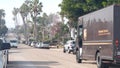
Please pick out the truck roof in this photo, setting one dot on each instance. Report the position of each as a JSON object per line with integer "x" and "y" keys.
{"x": 100, "y": 10}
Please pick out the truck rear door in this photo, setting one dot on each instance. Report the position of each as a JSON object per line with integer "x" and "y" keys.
{"x": 116, "y": 40}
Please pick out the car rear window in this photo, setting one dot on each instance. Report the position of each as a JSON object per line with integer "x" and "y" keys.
{"x": 13, "y": 41}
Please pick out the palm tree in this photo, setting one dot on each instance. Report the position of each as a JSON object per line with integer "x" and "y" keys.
{"x": 15, "y": 12}
{"x": 2, "y": 13}
{"x": 35, "y": 10}
{"x": 24, "y": 10}
{"x": 3, "y": 28}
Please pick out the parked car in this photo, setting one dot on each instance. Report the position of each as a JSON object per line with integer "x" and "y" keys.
{"x": 45, "y": 45}
{"x": 29, "y": 43}
{"x": 14, "y": 43}
{"x": 38, "y": 44}
{"x": 33, "y": 44}
{"x": 4, "y": 53}
{"x": 68, "y": 47}
{"x": 74, "y": 49}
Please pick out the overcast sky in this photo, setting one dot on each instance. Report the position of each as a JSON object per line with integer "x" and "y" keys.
{"x": 49, "y": 6}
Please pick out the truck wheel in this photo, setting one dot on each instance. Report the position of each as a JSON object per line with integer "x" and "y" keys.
{"x": 100, "y": 64}
{"x": 78, "y": 57}
{"x": 69, "y": 51}
{"x": 74, "y": 52}
{"x": 64, "y": 50}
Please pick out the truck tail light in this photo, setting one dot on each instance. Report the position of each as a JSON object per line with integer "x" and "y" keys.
{"x": 117, "y": 42}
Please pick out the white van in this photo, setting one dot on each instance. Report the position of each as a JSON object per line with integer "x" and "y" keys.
{"x": 14, "y": 43}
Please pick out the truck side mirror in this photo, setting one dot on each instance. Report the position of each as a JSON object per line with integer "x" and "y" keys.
{"x": 5, "y": 46}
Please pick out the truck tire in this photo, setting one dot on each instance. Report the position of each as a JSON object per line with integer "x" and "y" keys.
{"x": 69, "y": 51}
{"x": 74, "y": 52}
{"x": 100, "y": 63}
{"x": 78, "y": 57}
{"x": 64, "y": 50}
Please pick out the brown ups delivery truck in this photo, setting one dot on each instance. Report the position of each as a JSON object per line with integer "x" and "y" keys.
{"x": 98, "y": 37}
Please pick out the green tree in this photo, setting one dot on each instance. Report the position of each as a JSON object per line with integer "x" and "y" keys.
{"x": 64, "y": 30}
{"x": 43, "y": 23}
{"x": 35, "y": 8}
{"x": 2, "y": 13}
{"x": 72, "y": 9}
{"x": 24, "y": 10}
{"x": 15, "y": 12}
{"x": 3, "y": 28}
{"x": 43, "y": 20}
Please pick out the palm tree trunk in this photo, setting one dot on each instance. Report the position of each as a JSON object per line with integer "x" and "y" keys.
{"x": 25, "y": 29}
{"x": 35, "y": 31}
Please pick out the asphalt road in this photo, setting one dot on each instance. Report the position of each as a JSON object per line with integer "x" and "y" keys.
{"x": 28, "y": 57}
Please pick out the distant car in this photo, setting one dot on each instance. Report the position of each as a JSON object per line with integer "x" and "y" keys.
{"x": 29, "y": 43}
{"x": 45, "y": 45}
{"x": 69, "y": 46}
{"x": 33, "y": 44}
{"x": 38, "y": 44}
{"x": 14, "y": 43}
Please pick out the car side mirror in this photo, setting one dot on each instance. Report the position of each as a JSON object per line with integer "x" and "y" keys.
{"x": 5, "y": 46}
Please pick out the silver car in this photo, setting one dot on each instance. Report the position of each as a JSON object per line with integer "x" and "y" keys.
{"x": 68, "y": 47}
{"x": 33, "y": 44}
{"x": 38, "y": 44}
{"x": 45, "y": 45}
